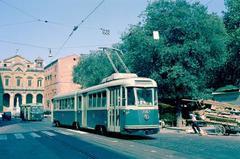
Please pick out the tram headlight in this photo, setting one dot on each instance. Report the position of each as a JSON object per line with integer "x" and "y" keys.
{"x": 146, "y": 116}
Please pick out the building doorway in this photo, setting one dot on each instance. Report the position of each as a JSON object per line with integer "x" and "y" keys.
{"x": 6, "y": 100}
{"x": 17, "y": 100}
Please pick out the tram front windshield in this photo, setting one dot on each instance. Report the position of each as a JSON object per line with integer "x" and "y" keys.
{"x": 37, "y": 110}
{"x": 144, "y": 96}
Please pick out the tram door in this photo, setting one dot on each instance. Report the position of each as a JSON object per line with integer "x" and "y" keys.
{"x": 113, "y": 112}
{"x": 84, "y": 110}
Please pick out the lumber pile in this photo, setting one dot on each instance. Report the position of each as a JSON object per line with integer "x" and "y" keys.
{"x": 220, "y": 113}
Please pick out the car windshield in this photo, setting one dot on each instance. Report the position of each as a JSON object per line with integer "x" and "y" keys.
{"x": 144, "y": 96}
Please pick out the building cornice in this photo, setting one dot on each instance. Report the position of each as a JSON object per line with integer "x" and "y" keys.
{"x": 34, "y": 70}
{"x": 24, "y": 90}
{"x": 5, "y": 69}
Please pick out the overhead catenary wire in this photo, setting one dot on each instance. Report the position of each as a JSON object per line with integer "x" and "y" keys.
{"x": 77, "y": 26}
{"x": 20, "y": 10}
{"x": 23, "y": 44}
{"x": 34, "y": 18}
{"x": 18, "y": 23}
{"x": 47, "y": 47}
{"x": 31, "y": 15}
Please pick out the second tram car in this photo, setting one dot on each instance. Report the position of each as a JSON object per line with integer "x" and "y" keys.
{"x": 31, "y": 112}
{"x": 123, "y": 103}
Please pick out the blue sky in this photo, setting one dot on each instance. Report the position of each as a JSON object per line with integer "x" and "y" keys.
{"x": 20, "y": 29}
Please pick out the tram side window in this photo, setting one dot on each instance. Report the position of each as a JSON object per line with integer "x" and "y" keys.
{"x": 99, "y": 100}
{"x": 67, "y": 104}
{"x": 90, "y": 100}
{"x": 72, "y": 103}
{"x": 64, "y": 103}
{"x": 123, "y": 97}
{"x": 104, "y": 99}
{"x": 61, "y": 104}
{"x": 118, "y": 96}
{"x": 58, "y": 104}
{"x": 130, "y": 95}
{"x": 79, "y": 102}
{"x": 155, "y": 97}
{"x": 94, "y": 100}
{"x": 55, "y": 104}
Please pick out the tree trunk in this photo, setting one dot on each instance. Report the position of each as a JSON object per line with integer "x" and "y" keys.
{"x": 179, "y": 115}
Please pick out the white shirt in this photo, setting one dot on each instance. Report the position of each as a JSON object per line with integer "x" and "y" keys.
{"x": 193, "y": 117}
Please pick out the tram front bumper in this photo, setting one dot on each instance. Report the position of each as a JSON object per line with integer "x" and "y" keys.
{"x": 141, "y": 129}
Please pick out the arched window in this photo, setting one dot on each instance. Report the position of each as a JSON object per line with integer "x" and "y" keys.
{"x": 29, "y": 98}
{"x": 39, "y": 98}
{"x": 6, "y": 100}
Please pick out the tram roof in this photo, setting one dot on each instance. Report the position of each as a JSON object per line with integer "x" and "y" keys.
{"x": 128, "y": 82}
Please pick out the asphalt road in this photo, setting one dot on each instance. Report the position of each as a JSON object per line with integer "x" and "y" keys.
{"x": 38, "y": 140}
{"x": 41, "y": 140}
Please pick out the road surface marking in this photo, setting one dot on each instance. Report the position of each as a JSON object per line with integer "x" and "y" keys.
{"x": 63, "y": 132}
{"x": 3, "y": 137}
{"x": 48, "y": 133}
{"x": 77, "y": 131}
{"x": 34, "y": 135}
{"x": 19, "y": 136}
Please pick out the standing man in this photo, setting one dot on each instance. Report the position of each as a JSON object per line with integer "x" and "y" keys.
{"x": 195, "y": 126}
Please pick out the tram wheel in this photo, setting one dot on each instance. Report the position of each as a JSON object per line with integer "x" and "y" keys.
{"x": 57, "y": 124}
{"x": 101, "y": 130}
{"x": 76, "y": 125}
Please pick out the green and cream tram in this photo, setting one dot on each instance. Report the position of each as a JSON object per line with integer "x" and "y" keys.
{"x": 122, "y": 103}
{"x": 31, "y": 111}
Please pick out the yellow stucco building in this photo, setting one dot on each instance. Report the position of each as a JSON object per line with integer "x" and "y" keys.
{"x": 21, "y": 82}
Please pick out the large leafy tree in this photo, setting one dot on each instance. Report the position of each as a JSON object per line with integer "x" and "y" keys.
{"x": 230, "y": 73}
{"x": 94, "y": 67}
{"x": 191, "y": 47}
{"x": 91, "y": 69}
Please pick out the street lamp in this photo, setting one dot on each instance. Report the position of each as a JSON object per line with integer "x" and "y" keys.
{"x": 155, "y": 35}
{"x": 50, "y": 53}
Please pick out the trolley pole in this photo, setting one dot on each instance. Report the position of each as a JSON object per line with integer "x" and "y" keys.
{"x": 106, "y": 50}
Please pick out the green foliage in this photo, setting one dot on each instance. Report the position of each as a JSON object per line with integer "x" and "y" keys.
{"x": 168, "y": 117}
{"x": 92, "y": 69}
{"x": 191, "y": 47}
{"x": 230, "y": 73}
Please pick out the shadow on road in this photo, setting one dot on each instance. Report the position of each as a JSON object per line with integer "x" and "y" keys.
{"x": 9, "y": 122}
{"x": 114, "y": 135}
{"x": 129, "y": 137}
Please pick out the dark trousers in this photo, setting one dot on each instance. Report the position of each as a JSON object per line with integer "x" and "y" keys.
{"x": 195, "y": 127}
